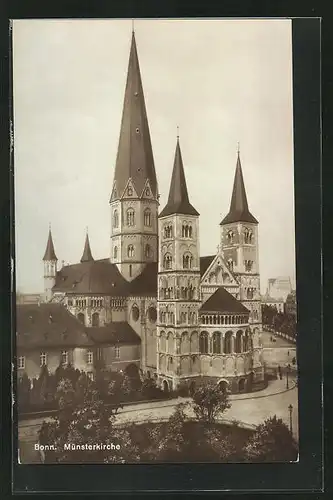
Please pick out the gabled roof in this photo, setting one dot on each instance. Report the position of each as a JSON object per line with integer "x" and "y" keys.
{"x": 223, "y": 302}
{"x": 146, "y": 283}
{"x": 114, "y": 333}
{"x": 178, "y": 201}
{"x": 48, "y": 325}
{"x": 205, "y": 262}
{"x": 87, "y": 255}
{"x": 96, "y": 276}
{"x": 49, "y": 252}
{"x": 135, "y": 156}
{"x": 239, "y": 210}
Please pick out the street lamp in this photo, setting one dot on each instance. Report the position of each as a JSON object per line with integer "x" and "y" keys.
{"x": 290, "y": 408}
{"x": 288, "y": 370}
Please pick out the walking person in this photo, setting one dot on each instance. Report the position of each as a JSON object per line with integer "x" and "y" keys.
{"x": 280, "y": 372}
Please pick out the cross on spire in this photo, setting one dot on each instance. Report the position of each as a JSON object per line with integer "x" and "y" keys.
{"x": 238, "y": 148}
{"x": 177, "y": 132}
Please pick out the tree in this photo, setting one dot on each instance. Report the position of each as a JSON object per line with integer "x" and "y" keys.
{"x": 174, "y": 440}
{"x": 271, "y": 442}
{"x": 82, "y": 431}
{"x": 209, "y": 402}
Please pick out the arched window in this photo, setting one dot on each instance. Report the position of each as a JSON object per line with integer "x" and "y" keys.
{"x": 187, "y": 261}
{"x": 148, "y": 251}
{"x": 230, "y": 264}
{"x": 190, "y": 232}
{"x": 115, "y": 252}
{"x": 43, "y": 358}
{"x": 64, "y": 357}
{"x": 238, "y": 343}
{"x": 248, "y": 265}
{"x": 168, "y": 231}
{"x": 95, "y": 319}
{"x": 228, "y": 343}
{"x": 152, "y": 314}
{"x": 130, "y": 251}
{"x": 217, "y": 343}
{"x": 130, "y": 217}
{"x": 129, "y": 191}
{"x": 115, "y": 218}
{"x": 80, "y": 317}
{"x": 203, "y": 343}
{"x": 230, "y": 236}
{"x": 248, "y": 235}
{"x": 147, "y": 217}
{"x": 135, "y": 313}
{"x": 167, "y": 261}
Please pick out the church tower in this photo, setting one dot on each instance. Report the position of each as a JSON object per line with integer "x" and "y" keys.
{"x": 239, "y": 242}
{"x": 50, "y": 268}
{"x": 178, "y": 281}
{"x": 134, "y": 198}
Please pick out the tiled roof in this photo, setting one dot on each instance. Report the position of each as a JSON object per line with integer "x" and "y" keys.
{"x": 239, "y": 210}
{"x": 178, "y": 201}
{"x": 48, "y": 325}
{"x": 146, "y": 283}
{"x": 99, "y": 276}
{"x": 223, "y": 301}
{"x": 205, "y": 262}
{"x": 114, "y": 333}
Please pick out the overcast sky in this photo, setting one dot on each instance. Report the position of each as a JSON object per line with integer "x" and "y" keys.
{"x": 221, "y": 81}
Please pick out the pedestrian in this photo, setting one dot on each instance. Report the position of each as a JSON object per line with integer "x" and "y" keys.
{"x": 280, "y": 372}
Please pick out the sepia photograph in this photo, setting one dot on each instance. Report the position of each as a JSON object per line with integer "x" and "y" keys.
{"x": 156, "y": 306}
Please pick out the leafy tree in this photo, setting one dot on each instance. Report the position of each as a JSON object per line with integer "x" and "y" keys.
{"x": 83, "y": 425}
{"x": 271, "y": 442}
{"x": 175, "y": 439}
{"x": 209, "y": 402}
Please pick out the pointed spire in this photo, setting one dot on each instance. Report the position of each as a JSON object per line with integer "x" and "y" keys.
{"x": 239, "y": 210}
{"x": 178, "y": 201}
{"x": 49, "y": 252}
{"x": 87, "y": 255}
{"x": 135, "y": 159}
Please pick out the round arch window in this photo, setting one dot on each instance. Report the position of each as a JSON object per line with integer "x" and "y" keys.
{"x": 152, "y": 314}
{"x": 135, "y": 313}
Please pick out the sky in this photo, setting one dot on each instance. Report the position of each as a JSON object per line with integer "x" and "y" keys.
{"x": 221, "y": 81}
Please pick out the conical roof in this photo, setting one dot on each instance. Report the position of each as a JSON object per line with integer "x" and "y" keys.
{"x": 87, "y": 255}
{"x": 49, "y": 252}
{"x": 178, "y": 201}
{"x": 239, "y": 210}
{"x": 135, "y": 159}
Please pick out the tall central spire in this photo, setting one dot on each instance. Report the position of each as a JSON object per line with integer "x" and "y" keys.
{"x": 239, "y": 210}
{"x": 178, "y": 201}
{"x": 135, "y": 159}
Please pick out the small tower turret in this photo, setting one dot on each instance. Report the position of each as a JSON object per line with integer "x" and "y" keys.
{"x": 50, "y": 268}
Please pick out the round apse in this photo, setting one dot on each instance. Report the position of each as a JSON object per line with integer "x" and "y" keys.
{"x": 135, "y": 313}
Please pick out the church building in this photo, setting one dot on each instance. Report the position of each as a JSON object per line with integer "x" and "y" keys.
{"x": 155, "y": 302}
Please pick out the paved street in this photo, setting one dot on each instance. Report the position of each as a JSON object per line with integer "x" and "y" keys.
{"x": 279, "y": 341}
